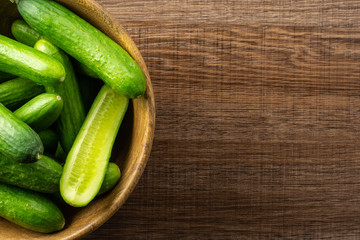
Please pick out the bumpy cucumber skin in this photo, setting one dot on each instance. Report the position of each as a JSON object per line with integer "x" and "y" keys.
{"x": 5, "y": 76}
{"x": 23, "y": 61}
{"x": 28, "y": 36}
{"x": 18, "y": 141}
{"x": 23, "y": 33}
{"x": 41, "y": 176}
{"x": 112, "y": 176}
{"x": 50, "y": 140}
{"x": 16, "y": 92}
{"x": 41, "y": 111}
{"x": 86, "y": 44}
{"x": 29, "y": 209}
{"x": 99, "y": 129}
{"x": 73, "y": 113}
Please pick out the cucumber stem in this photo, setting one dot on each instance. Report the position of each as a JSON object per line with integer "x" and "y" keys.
{"x": 15, "y": 1}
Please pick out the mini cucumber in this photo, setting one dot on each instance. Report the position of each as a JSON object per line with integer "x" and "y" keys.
{"x": 41, "y": 111}
{"x": 23, "y": 33}
{"x": 16, "y": 92}
{"x": 112, "y": 176}
{"x": 86, "y": 163}
{"x": 50, "y": 140}
{"x": 73, "y": 113}
{"x": 18, "y": 141}
{"x": 41, "y": 176}
{"x": 86, "y": 44}
{"x": 28, "y": 36}
{"x": 21, "y": 60}
{"x": 5, "y": 76}
{"x": 29, "y": 209}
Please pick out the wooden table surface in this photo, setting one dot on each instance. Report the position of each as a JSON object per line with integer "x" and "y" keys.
{"x": 258, "y": 120}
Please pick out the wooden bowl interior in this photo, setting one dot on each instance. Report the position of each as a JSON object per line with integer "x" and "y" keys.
{"x": 133, "y": 143}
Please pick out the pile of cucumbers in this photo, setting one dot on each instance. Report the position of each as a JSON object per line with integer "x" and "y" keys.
{"x": 54, "y": 143}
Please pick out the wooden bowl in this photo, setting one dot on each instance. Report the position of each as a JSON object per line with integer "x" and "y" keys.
{"x": 133, "y": 144}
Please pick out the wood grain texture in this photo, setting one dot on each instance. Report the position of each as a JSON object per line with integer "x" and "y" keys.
{"x": 279, "y": 12}
{"x": 258, "y": 121}
{"x": 258, "y": 118}
{"x": 131, "y": 148}
{"x": 258, "y": 124}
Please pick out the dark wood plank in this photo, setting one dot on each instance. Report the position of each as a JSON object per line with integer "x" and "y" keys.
{"x": 258, "y": 121}
{"x": 279, "y": 12}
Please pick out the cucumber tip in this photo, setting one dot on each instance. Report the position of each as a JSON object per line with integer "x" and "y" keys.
{"x": 58, "y": 97}
{"x": 62, "y": 79}
{"x": 62, "y": 226}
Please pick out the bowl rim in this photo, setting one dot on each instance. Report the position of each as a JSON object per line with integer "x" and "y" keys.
{"x": 147, "y": 100}
{"x": 116, "y": 32}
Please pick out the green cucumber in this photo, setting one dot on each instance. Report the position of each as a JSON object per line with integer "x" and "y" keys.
{"x": 5, "y": 76}
{"x": 23, "y": 33}
{"x": 86, "y": 44}
{"x": 29, "y": 209}
{"x": 28, "y": 36}
{"x": 50, "y": 140}
{"x": 111, "y": 178}
{"x": 86, "y": 163}
{"x": 73, "y": 113}
{"x": 16, "y": 92}
{"x": 41, "y": 176}
{"x": 41, "y": 111}
{"x": 18, "y": 141}
{"x": 21, "y": 60}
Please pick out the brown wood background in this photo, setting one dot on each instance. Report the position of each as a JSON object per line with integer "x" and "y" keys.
{"x": 258, "y": 120}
